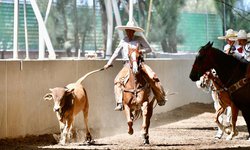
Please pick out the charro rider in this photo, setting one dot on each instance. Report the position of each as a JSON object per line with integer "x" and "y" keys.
{"x": 132, "y": 41}
{"x": 243, "y": 40}
{"x": 231, "y": 46}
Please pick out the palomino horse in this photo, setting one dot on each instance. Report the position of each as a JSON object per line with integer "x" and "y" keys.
{"x": 136, "y": 92}
{"x": 231, "y": 72}
{"x": 222, "y": 100}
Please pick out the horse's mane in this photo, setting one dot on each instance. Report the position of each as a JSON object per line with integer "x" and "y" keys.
{"x": 230, "y": 62}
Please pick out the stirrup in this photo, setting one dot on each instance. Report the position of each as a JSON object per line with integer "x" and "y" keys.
{"x": 119, "y": 107}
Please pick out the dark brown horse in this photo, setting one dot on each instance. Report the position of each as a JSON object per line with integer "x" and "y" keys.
{"x": 231, "y": 72}
{"x": 136, "y": 92}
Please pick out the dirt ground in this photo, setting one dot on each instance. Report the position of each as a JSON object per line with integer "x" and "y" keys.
{"x": 188, "y": 127}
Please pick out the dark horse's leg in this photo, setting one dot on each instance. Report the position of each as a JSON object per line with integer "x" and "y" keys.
{"x": 147, "y": 111}
{"x": 246, "y": 115}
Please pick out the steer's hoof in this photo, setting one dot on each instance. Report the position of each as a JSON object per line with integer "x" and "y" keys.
{"x": 62, "y": 143}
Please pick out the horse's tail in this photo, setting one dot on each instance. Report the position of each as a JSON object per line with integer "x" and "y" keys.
{"x": 79, "y": 81}
{"x": 137, "y": 114}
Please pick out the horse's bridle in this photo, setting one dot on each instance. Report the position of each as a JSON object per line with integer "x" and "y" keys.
{"x": 135, "y": 90}
{"x": 137, "y": 51}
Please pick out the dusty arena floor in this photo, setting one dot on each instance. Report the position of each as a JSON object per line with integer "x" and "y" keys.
{"x": 187, "y": 127}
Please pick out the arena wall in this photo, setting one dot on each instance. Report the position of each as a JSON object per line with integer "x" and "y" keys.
{"x": 24, "y": 83}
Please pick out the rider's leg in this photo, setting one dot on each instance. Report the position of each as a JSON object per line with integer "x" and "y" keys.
{"x": 155, "y": 84}
{"x": 118, "y": 97}
{"x": 118, "y": 85}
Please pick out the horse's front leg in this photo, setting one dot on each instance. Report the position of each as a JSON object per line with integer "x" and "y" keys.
{"x": 218, "y": 114}
{"x": 217, "y": 106}
{"x": 129, "y": 120}
{"x": 234, "y": 132}
{"x": 147, "y": 111}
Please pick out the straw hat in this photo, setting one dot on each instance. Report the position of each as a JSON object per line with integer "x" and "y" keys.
{"x": 230, "y": 34}
{"x": 130, "y": 25}
{"x": 242, "y": 35}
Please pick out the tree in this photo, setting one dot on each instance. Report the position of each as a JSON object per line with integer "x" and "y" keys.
{"x": 164, "y": 23}
{"x": 224, "y": 9}
{"x": 104, "y": 22}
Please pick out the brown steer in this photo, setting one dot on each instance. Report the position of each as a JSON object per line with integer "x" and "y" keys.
{"x": 68, "y": 102}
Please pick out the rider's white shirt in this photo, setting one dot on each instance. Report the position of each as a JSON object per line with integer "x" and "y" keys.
{"x": 235, "y": 52}
{"x": 123, "y": 47}
{"x": 246, "y": 52}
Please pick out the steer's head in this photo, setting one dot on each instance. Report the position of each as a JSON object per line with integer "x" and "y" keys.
{"x": 59, "y": 95}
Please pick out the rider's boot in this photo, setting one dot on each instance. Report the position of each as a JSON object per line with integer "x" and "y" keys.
{"x": 159, "y": 93}
{"x": 118, "y": 98}
{"x": 119, "y": 107}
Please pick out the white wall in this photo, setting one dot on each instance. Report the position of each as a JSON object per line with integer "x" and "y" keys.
{"x": 23, "y": 85}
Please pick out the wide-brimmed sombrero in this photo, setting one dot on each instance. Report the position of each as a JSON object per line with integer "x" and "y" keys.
{"x": 130, "y": 25}
{"x": 230, "y": 34}
{"x": 242, "y": 35}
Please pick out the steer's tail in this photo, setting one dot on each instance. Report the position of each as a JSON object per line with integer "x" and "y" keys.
{"x": 79, "y": 81}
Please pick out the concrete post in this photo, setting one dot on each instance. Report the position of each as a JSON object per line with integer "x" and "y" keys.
{"x": 43, "y": 31}
{"x": 130, "y": 10}
{"x": 110, "y": 28}
{"x": 117, "y": 18}
{"x": 25, "y": 30}
{"x": 15, "y": 36}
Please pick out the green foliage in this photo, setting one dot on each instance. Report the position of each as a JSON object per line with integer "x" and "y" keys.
{"x": 235, "y": 13}
{"x": 164, "y": 23}
{"x": 62, "y": 22}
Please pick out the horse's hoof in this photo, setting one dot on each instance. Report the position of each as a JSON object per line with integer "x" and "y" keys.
{"x": 236, "y": 133}
{"x": 90, "y": 142}
{"x": 218, "y": 135}
{"x": 145, "y": 139}
{"x": 228, "y": 131}
{"x": 146, "y": 142}
{"x": 130, "y": 131}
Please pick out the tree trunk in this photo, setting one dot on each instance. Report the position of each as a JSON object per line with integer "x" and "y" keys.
{"x": 164, "y": 45}
{"x": 76, "y": 36}
{"x": 172, "y": 41}
{"x": 65, "y": 30}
